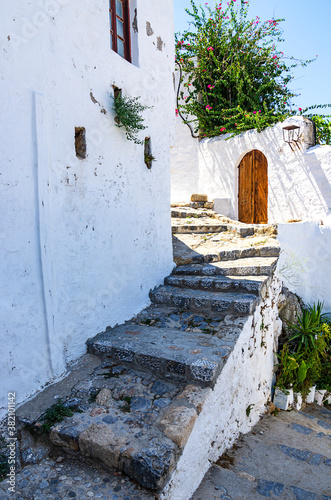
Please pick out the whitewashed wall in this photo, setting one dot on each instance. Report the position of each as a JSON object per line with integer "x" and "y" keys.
{"x": 82, "y": 241}
{"x": 245, "y": 382}
{"x": 299, "y": 181}
{"x": 305, "y": 260}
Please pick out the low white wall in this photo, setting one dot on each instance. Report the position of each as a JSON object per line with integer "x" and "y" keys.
{"x": 305, "y": 261}
{"x": 245, "y": 381}
{"x": 299, "y": 181}
{"x": 82, "y": 241}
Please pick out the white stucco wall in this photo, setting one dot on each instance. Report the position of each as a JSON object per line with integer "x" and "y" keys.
{"x": 305, "y": 260}
{"x": 245, "y": 381}
{"x": 299, "y": 181}
{"x": 82, "y": 241}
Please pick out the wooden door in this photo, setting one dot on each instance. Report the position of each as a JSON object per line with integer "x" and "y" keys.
{"x": 253, "y": 188}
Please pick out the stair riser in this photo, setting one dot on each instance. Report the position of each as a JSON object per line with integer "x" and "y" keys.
{"x": 230, "y": 271}
{"x": 162, "y": 367}
{"x": 197, "y": 229}
{"x": 211, "y": 285}
{"x": 197, "y": 304}
{"x": 184, "y": 215}
{"x": 236, "y": 254}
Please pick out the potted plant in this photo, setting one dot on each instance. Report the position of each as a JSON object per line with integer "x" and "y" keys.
{"x": 324, "y": 380}
{"x": 303, "y": 358}
{"x": 287, "y": 368}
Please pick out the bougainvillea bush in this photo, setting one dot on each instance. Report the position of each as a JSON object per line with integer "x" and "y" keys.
{"x": 236, "y": 79}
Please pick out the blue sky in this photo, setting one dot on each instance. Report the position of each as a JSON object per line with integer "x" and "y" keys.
{"x": 306, "y": 28}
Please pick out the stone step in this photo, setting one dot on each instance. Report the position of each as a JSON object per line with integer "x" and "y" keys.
{"x": 252, "y": 266}
{"x": 171, "y": 353}
{"x": 183, "y": 213}
{"x": 152, "y": 395}
{"x": 206, "y": 225}
{"x": 200, "y": 300}
{"x": 199, "y": 257}
{"x": 121, "y": 417}
{"x": 251, "y": 285}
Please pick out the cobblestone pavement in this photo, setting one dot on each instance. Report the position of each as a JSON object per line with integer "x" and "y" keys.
{"x": 287, "y": 457}
{"x": 69, "y": 478}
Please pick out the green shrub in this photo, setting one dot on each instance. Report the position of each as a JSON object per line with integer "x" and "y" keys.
{"x": 128, "y": 115}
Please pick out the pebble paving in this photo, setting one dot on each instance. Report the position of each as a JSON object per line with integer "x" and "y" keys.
{"x": 66, "y": 478}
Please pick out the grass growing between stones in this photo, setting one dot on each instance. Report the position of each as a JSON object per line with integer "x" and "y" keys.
{"x": 55, "y": 414}
{"x": 127, "y": 404}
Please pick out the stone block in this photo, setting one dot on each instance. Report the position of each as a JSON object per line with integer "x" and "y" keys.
{"x": 102, "y": 442}
{"x": 195, "y": 395}
{"x": 203, "y": 370}
{"x": 33, "y": 456}
{"x": 104, "y": 398}
{"x": 176, "y": 367}
{"x": 177, "y": 424}
{"x": 160, "y": 388}
{"x": 65, "y": 436}
{"x": 123, "y": 353}
{"x": 199, "y": 197}
{"x": 197, "y": 204}
{"x": 150, "y": 466}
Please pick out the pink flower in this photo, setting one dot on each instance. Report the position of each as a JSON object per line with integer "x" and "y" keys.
{"x": 210, "y": 86}
{"x": 259, "y": 111}
{"x": 274, "y": 57}
{"x": 210, "y": 48}
{"x": 254, "y": 112}
{"x": 222, "y": 129}
{"x": 300, "y": 109}
{"x": 176, "y": 111}
{"x": 208, "y": 107}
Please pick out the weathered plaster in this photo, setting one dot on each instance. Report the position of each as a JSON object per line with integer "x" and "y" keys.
{"x": 82, "y": 240}
{"x": 305, "y": 261}
{"x": 299, "y": 180}
{"x": 244, "y": 382}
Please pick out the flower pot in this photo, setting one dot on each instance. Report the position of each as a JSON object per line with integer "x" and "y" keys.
{"x": 328, "y": 399}
{"x": 319, "y": 396}
{"x": 311, "y": 395}
{"x": 283, "y": 401}
{"x": 297, "y": 403}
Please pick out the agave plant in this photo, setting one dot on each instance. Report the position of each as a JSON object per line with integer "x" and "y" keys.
{"x": 305, "y": 331}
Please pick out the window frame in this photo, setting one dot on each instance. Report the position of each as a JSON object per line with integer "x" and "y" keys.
{"x": 113, "y": 15}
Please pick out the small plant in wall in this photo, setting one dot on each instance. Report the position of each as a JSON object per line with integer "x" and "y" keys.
{"x": 128, "y": 115}
{"x": 148, "y": 156}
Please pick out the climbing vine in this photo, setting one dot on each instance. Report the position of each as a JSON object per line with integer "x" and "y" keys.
{"x": 235, "y": 77}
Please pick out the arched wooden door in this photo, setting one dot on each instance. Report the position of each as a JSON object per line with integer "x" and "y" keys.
{"x": 253, "y": 188}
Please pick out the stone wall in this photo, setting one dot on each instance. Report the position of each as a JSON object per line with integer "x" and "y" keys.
{"x": 82, "y": 240}
{"x": 237, "y": 400}
{"x": 305, "y": 261}
{"x": 299, "y": 180}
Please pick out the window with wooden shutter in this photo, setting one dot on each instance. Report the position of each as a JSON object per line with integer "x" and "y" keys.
{"x": 120, "y": 28}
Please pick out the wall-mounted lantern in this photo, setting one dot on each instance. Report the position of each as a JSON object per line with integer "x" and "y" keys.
{"x": 291, "y": 135}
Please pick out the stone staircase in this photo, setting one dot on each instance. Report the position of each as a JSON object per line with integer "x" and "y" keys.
{"x": 163, "y": 395}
